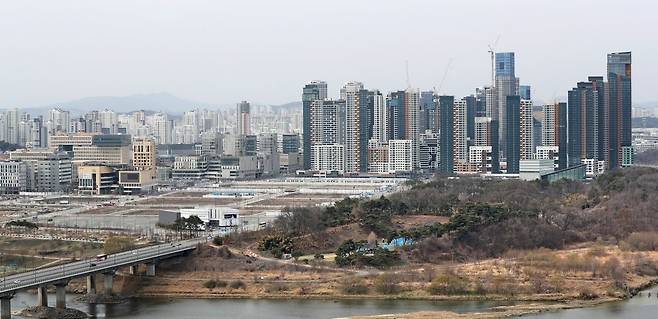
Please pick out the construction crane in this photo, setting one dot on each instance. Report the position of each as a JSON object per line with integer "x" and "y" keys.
{"x": 492, "y": 52}
{"x": 445, "y": 74}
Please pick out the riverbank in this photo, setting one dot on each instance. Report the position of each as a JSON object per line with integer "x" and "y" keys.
{"x": 579, "y": 273}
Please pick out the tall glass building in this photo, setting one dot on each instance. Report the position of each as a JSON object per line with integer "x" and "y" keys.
{"x": 446, "y": 135}
{"x": 315, "y": 90}
{"x": 513, "y": 138}
{"x": 505, "y": 86}
{"x": 583, "y": 106}
{"x": 395, "y": 107}
{"x": 620, "y": 111}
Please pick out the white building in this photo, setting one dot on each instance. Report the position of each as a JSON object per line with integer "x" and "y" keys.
{"x": 13, "y": 177}
{"x": 328, "y": 158}
{"x": 380, "y": 118}
{"x": 530, "y": 170}
{"x": 548, "y": 152}
{"x": 481, "y": 156}
{"x": 400, "y": 156}
{"x": 350, "y": 94}
{"x": 213, "y": 216}
{"x": 593, "y": 166}
{"x": 460, "y": 142}
{"x": 190, "y": 167}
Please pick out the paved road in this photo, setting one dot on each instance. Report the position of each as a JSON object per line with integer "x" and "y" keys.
{"x": 90, "y": 266}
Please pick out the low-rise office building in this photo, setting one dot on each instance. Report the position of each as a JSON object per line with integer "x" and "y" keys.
{"x": 96, "y": 179}
{"x": 13, "y": 177}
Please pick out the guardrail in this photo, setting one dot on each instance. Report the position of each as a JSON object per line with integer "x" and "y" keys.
{"x": 82, "y": 268}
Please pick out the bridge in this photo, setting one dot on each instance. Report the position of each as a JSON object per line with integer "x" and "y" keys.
{"x": 60, "y": 275}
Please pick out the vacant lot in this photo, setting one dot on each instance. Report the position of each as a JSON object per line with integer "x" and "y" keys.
{"x": 54, "y": 248}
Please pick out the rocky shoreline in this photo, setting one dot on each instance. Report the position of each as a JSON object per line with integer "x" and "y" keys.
{"x": 52, "y": 313}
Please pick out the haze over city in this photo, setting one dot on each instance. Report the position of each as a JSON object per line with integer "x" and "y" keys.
{"x": 264, "y": 51}
{"x": 472, "y": 159}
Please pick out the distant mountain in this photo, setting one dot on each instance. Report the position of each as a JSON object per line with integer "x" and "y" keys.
{"x": 164, "y": 102}
{"x": 297, "y": 105}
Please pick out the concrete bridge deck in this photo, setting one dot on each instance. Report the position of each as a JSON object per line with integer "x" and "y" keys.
{"x": 60, "y": 275}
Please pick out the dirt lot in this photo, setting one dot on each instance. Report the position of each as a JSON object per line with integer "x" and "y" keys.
{"x": 144, "y": 212}
{"x": 49, "y": 248}
{"x": 103, "y": 210}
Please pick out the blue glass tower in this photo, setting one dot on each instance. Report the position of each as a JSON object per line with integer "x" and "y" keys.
{"x": 619, "y": 126}
{"x": 505, "y": 86}
{"x": 395, "y": 108}
{"x": 446, "y": 134}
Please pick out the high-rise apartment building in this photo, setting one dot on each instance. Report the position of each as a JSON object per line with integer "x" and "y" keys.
{"x": 583, "y": 134}
{"x": 554, "y": 130}
{"x": 395, "y": 105}
{"x": 313, "y": 91}
{"x": 243, "y": 112}
{"x": 354, "y": 101}
{"x": 380, "y": 118}
{"x": 459, "y": 131}
{"x": 526, "y": 124}
{"x": 486, "y": 135}
{"x": 59, "y": 121}
{"x": 412, "y": 121}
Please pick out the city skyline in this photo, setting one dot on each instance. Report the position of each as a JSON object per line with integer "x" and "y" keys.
{"x": 204, "y": 69}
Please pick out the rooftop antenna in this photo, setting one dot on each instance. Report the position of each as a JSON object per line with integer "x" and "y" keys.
{"x": 492, "y": 51}
{"x": 406, "y": 68}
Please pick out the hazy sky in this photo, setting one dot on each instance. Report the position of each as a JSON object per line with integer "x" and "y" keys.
{"x": 221, "y": 52}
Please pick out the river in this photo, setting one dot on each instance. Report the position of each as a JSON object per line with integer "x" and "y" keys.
{"x": 638, "y": 307}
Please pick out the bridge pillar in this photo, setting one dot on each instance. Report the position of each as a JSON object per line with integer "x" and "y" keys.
{"x": 107, "y": 282}
{"x": 133, "y": 270}
{"x": 60, "y": 295}
{"x": 5, "y": 306}
{"x": 150, "y": 269}
{"x": 91, "y": 285}
{"x": 42, "y": 296}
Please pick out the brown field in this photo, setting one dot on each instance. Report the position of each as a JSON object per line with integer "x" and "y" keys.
{"x": 523, "y": 277}
{"x": 104, "y": 210}
{"x": 144, "y": 212}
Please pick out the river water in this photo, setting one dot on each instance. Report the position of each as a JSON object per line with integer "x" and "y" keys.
{"x": 638, "y": 307}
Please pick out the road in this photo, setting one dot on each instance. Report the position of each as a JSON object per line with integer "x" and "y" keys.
{"x": 81, "y": 268}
